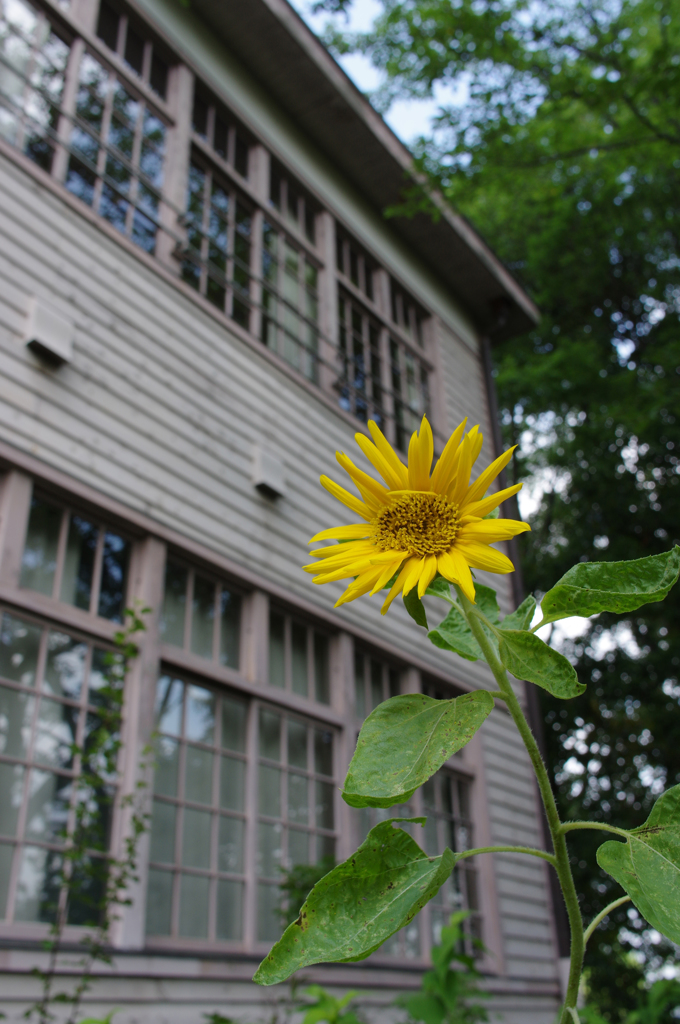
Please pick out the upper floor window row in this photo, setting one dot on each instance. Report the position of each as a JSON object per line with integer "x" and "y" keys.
{"x": 101, "y": 116}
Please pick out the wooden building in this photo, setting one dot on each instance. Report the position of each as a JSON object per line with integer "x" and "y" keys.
{"x": 200, "y": 302}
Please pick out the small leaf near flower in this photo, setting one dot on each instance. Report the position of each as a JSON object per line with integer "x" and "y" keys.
{"x": 360, "y": 903}
{"x": 527, "y": 657}
{"x": 522, "y": 617}
{"x": 415, "y": 607}
{"x": 592, "y": 587}
{"x": 405, "y": 741}
{"x": 647, "y": 865}
{"x": 454, "y": 634}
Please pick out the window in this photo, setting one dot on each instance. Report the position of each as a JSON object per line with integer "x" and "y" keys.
{"x": 208, "y": 743}
{"x": 298, "y": 657}
{"x": 290, "y": 302}
{"x": 374, "y": 682}
{"x": 201, "y": 615}
{"x": 49, "y": 704}
{"x": 212, "y": 123}
{"x": 359, "y": 384}
{"x": 354, "y": 263}
{"x": 406, "y": 313}
{"x": 446, "y": 799}
{"x": 410, "y": 392}
{"x": 290, "y": 199}
{"x": 75, "y": 559}
{"x": 117, "y": 153}
{"x": 131, "y": 44}
{"x": 33, "y": 61}
{"x": 217, "y": 258}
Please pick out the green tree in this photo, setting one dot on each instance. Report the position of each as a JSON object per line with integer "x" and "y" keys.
{"x": 566, "y": 156}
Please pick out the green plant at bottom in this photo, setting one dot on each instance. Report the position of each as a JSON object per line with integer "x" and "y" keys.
{"x": 655, "y": 1005}
{"x": 448, "y": 995}
{"x": 327, "y": 1007}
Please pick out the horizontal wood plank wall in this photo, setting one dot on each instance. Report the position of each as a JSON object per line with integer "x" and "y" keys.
{"x": 160, "y": 409}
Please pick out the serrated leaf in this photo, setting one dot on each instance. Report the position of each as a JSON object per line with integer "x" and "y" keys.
{"x": 439, "y": 588}
{"x": 454, "y": 634}
{"x": 405, "y": 741}
{"x": 360, "y": 903}
{"x": 522, "y": 617}
{"x": 593, "y": 587}
{"x": 647, "y": 865}
{"x": 414, "y": 606}
{"x": 527, "y": 657}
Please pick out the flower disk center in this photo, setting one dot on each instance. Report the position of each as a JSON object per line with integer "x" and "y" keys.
{"x": 420, "y": 523}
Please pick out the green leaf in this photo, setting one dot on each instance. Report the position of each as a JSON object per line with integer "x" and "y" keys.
{"x": 439, "y": 588}
{"x": 487, "y": 602}
{"x": 454, "y": 634}
{"x": 592, "y": 587}
{"x": 405, "y": 741}
{"x": 527, "y": 657}
{"x": 360, "y": 903}
{"x": 414, "y": 606}
{"x": 647, "y": 865}
{"x": 522, "y": 617}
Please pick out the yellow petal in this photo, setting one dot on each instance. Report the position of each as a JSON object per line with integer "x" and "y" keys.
{"x": 483, "y": 481}
{"x": 490, "y": 531}
{"x": 442, "y": 474}
{"x": 420, "y": 453}
{"x": 392, "y": 478}
{"x": 481, "y": 556}
{"x": 387, "y": 575}
{"x": 398, "y": 584}
{"x": 373, "y": 493}
{"x": 477, "y": 442}
{"x": 358, "y": 588}
{"x": 485, "y": 505}
{"x": 354, "y": 531}
{"x": 428, "y": 574}
{"x": 346, "y": 498}
{"x": 460, "y": 482}
{"x": 344, "y": 550}
{"x": 413, "y": 574}
{"x": 462, "y": 574}
{"x": 388, "y": 453}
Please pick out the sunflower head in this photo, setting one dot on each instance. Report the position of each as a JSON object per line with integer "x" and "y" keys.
{"x": 419, "y": 521}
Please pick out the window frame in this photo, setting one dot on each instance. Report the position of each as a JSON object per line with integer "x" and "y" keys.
{"x": 291, "y": 620}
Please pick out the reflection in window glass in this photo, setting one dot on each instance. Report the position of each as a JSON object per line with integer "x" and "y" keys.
{"x": 214, "y": 626}
{"x": 115, "y": 555}
{"x": 203, "y": 617}
{"x": 298, "y": 657}
{"x": 81, "y": 546}
{"x": 174, "y": 603}
{"x": 39, "y": 561}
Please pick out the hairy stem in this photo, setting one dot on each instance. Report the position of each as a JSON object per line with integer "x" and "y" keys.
{"x": 530, "y": 850}
{"x": 570, "y": 826}
{"x": 601, "y": 916}
{"x": 561, "y": 856}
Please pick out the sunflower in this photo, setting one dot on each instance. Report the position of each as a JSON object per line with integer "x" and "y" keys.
{"x": 418, "y": 523}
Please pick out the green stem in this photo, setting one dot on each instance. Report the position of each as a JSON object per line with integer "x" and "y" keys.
{"x": 601, "y": 916}
{"x": 562, "y": 867}
{"x": 532, "y": 851}
{"x": 570, "y": 826}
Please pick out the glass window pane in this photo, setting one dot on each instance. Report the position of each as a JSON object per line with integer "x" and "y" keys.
{"x": 234, "y": 714}
{"x": 200, "y": 717}
{"x": 298, "y": 798}
{"x": 196, "y": 838}
{"x": 65, "y": 665}
{"x": 112, "y": 589}
{"x": 270, "y": 735}
{"x": 321, "y": 673}
{"x": 325, "y": 817}
{"x": 19, "y": 644}
{"x": 297, "y": 743}
{"x": 359, "y": 685}
{"x": 194, "y": 893}
{"x": 56, "y": 734}
{"x": 230, "y": 627}
{"x": 76, "y": 582}
{"x": 270, "y": 791}
{"x": 6, "y": 852}
{"x": 11, "y": 797}
{"x": 163, "y": 832}
{"x": 298, "y": 847}
{"x": 203, "y": 617}
{"x": 229, "y": 910}
{"x": 376, "y": 684}
{"x": 39, "y": 562}
{"x": 299, "y": 659}
{"x": 269, "y": 852}
{"x": 158, "y": 902}
{"x": 394, "y": 682}
{"x": 277, "y": 650}
{"x": 199, "y": 775}
{"x": 268, "y": 924}
{"x": 232, "y": 784}
{"x": 16, "y": 715}
{"x": 230, "y": 844}
{"x": 325, "y": 849}
{"x": 166, "y": 770}
{"x": 49, "y": 796}
{"x": 323, "y": 752}
{"x": 169, "y": 694}
{"x": 38, "y": 885}
{"x": 104, "y": 672}
{"x": 174, "y": 603}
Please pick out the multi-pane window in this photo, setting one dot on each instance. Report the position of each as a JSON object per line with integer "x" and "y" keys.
{"x": 216, "y": 261}
{"x": 76, "y": 559}
{"x": 354, "y": 263}
{"x": 410, "y": 392}
{"x": 374, "y": 682}
{"x": 296, "y": 815}
{"x": 212, "y": 123}
{"x": 290, "y": 302}
{"x": 200, "y": 614}
{"x": 117, "y": 150}
{"x": 446, "y": 800}
{"x": 288, "y": 197}
{"x": 131, "y": 43}
{"x": 406, "y": 313}
{"x": 33, "y": 61}
{"x": 359, "y": 383}
{"x": 209, "y": 744}
{"x": 298, "y": 657}
{"x": 51, "y": 685}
